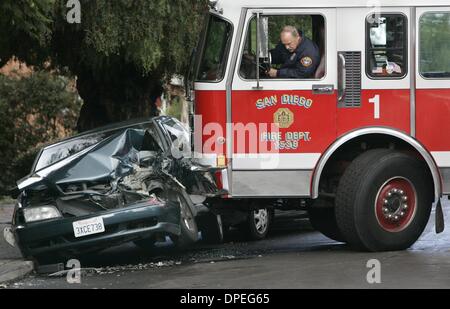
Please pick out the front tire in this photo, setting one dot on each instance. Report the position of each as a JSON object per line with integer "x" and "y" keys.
{"x": 188, "y": 226}
{"x": 384, "y": 201}
{"x": 258, "y": 223}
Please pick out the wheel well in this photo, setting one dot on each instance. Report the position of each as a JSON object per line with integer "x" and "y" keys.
{"x": 342, "y": 158}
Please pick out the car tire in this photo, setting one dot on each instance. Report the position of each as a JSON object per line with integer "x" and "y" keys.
{"x": 211, "y": 228}
{"x": 323, "y": 219}
{"x": 188, "y": 226}
{"x": 258, "y": 223}
{"x": 384, "y": 200}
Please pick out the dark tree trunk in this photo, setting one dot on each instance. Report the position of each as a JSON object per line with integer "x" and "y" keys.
{"x": 116, "y": 95}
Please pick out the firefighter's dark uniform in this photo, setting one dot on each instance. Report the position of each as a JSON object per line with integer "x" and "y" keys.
{"x": 302, "y": 63}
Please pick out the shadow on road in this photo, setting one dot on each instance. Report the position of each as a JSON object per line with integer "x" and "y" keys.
{"x": 291, "y": 233}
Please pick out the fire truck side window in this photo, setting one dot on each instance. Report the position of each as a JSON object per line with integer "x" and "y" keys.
{"x": 387, "y": 51}
{"x": 215, "y": 50}
{"x": 434, "y": 31}
{"x": 312, "y": 30}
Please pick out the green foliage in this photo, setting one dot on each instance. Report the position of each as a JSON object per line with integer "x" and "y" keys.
{"x": 121, "y": 52}
{"x": 152, "y": 36}
{"x": 276, "y": 25}
{"x": 33, "y": 110}
{"x": 175, "y": 108}
{"x": 25, "y": 29}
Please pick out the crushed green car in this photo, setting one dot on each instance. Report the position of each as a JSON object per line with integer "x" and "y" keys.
{"x": 128, "y": 182}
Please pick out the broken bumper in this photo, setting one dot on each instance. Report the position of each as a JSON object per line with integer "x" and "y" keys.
{"x": 134, "y": 222}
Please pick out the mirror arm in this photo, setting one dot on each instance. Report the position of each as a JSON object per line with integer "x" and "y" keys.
{"x": 258, "y": 37}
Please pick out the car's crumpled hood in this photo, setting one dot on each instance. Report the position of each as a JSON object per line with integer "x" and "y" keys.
{"x": 121, "y": 169}
{"x": 111, "y": 158}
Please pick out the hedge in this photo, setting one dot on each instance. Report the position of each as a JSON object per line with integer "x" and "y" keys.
{"x": 34, "y": 110}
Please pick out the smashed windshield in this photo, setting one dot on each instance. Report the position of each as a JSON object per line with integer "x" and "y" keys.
{"x": 57, "y": 152}
{"x": 61, "y": 151}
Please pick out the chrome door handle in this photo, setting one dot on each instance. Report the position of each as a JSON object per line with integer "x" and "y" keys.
{"x": 323, "y": 89}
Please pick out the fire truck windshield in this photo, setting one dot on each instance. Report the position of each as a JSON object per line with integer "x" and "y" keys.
{"x": 215, "y": 50}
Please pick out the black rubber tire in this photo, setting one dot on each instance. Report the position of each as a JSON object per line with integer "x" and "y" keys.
{"x": 188, "y": 234}
{"x": 323, "y": 219}
{"x": 357, "y": 193}
{"x": 250, "y": 229}
{"x": 211, "y": 228}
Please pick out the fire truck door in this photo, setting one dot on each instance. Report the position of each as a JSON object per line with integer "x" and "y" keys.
{"x": 281, "y": 125}
{"x": 433, "y": 86}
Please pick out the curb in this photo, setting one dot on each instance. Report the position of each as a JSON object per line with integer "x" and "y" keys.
{"x": 11, "y": 270}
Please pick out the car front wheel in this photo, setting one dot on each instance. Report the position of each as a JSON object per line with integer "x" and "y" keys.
{"x": 188, "y": 226}
{"x": 258, "y": 223}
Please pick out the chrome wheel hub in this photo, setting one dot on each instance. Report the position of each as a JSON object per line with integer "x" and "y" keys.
{"x": 261, "y": 220}
{"x": 395, "y": 205}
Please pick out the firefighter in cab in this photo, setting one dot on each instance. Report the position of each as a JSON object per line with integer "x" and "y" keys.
{"x": 298, "y": 56}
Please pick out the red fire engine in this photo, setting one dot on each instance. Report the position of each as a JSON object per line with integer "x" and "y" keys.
{"x": 363, "y": 143}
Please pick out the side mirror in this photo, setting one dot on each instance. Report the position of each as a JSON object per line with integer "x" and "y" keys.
{"x": 262, "y": 44}
{"x": 263, "y": 39}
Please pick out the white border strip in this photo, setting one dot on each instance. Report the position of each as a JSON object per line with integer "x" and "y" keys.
{"x": 442, "y": 158}
{"x": 275, "y": 161}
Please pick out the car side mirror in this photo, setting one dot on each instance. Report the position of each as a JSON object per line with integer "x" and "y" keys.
{"x": 263, "y": 40}
{"x": 262, "y": 45}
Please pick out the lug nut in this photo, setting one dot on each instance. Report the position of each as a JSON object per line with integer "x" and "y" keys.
{"x": 401, "y": 192}
{"x": 402, "y": 214}
{"x": 396, "y": 218}
{"x": 385, "y": 210}
{"x": 405, "y": 198}
{"x": 405, "y": 207}
{"x": 385, "y": 201}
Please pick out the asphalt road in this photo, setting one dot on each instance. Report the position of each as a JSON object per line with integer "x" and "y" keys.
{"x": 293, "y": 256}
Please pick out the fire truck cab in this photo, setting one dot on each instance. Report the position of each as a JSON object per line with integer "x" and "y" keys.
{"x": 363, "y": 142}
